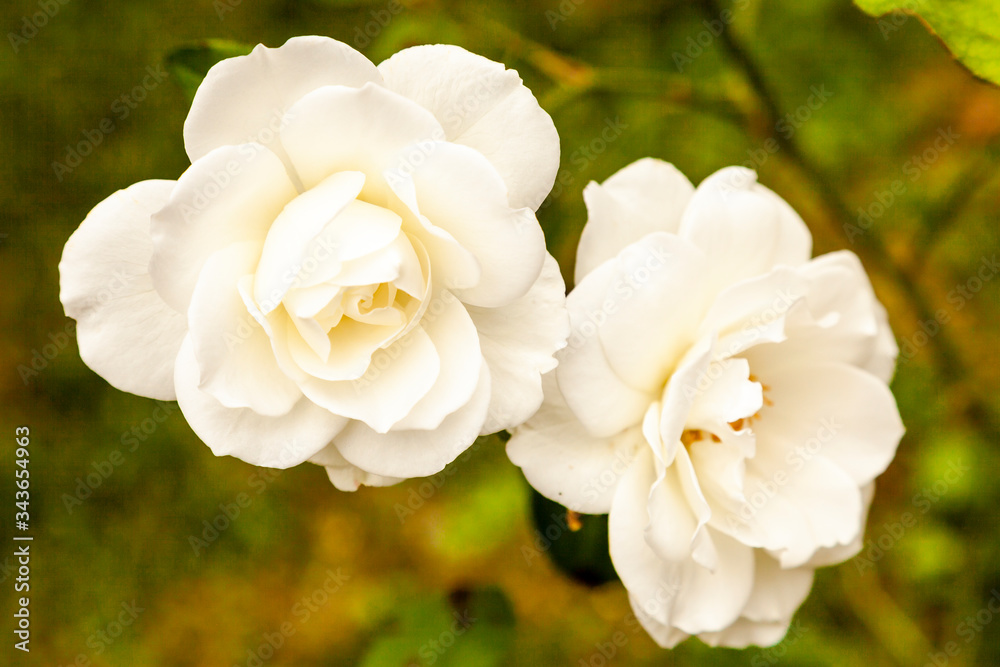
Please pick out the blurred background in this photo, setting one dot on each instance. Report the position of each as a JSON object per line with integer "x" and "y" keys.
{"x": 151, "y": 551}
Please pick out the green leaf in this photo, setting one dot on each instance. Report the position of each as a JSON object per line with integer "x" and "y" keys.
{"x": 576, "y": 543}
{"x": 467, "y": 629}
{"x": 188, "y": 65}
{"x": 970, "y": 28}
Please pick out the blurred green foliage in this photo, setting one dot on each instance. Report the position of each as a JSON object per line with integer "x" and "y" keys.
{"x": 970, "y": 27}
{"x": 122, "y": 490}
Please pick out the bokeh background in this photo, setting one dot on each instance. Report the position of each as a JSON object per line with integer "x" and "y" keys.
{"x": 840, "y": 113}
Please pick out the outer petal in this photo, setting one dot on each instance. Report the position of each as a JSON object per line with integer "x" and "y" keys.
{"x": 814, "y": 505}
{"x": 482, "y": 105}
{"x": 347, "y": 477}
{"x": 273, "y": 442}
{"x": 844, "y": 413}
{"x": 844, "y": 320}
{"x": 232, "y": 194}
{"x": 244, "y": 99}
{"x": 647, "y": 196}
{"x": 407, "y": 454}
{"x": 459, "y": 191}
{"x": 125, "y": 331}
{"x": 518, "y": 342}
{"x": 754, "y": 311}
{"x": 565, "y": 463}
{"x": 840, "y": 553}
{"x": 712, "y": 599}
{"x": 743, "y": 633}
{"x": 663, "y": 634}
{"x": 777, "y": 593}
{"x": 744, "y": 228}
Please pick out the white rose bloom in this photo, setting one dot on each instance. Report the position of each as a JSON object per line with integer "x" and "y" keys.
{"x": 350, "y": 272}
{"x": 722, "y": 396}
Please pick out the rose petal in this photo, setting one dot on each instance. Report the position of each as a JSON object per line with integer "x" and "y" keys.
{"x": 799, "y": 506}
{"x": 481, "y": 104}
{"x": 743, "y": 633}
{"x": 273, "y": 442}
{"x": 843, "y": 320}
{"x": 657, "y": 289}
{"x": 126, "y": 332}
{"x": 399, "y": 376}
{"x": 244, "y": 99}
{"x": 646, "y": 196}
{"x": 603, "y": 403}
{"x": 678, "y": 513}
{"x": 294, "y": 230}
{"x": 777, "y": 591}
{"x": 454, "y": 335}
{"x": 347, "y": 477}
{"x": 519, "y": 341}
{"x": 232, "y": 194}
{"x": 459, "y": 191}
{"x": 842, "y": 412}
{"x": 367, "y": 129}
{"x": 565, "y": 463}
{"x": 418, "y": 453}
{"x": 744, "y": 228}
{"x": 236, "y": 364}
{"x": 684, "y": 595}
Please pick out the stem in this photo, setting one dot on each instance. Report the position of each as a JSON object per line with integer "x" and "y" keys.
{"x": 885, "y": 620}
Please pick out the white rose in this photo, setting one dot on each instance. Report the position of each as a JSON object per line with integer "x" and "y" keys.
{"x": 350, "y": 272}
{"x": 723, "y": 397}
